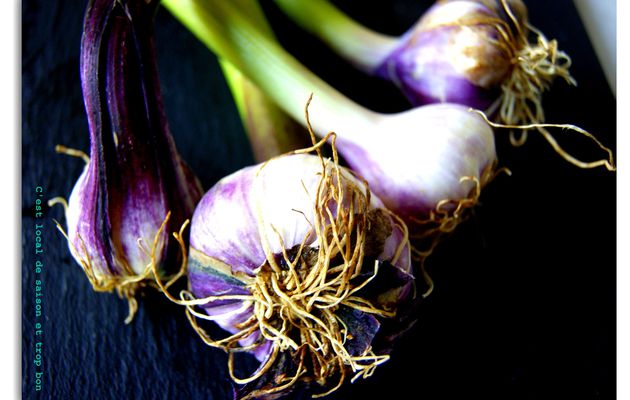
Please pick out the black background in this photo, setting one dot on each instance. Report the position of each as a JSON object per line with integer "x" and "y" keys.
{"x": 524, "y": 303}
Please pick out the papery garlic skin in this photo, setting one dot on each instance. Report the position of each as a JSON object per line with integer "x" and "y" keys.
{"x": 434, "y": 153}
{"x": 479, "y": 53}
{"x": 134, "y": 177}
{"x": 261, "y": 211}
{"x": 454, "y": 54}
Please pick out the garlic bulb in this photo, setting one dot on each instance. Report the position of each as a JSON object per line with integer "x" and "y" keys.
{"x": 301, "y": 264}
{"x": 134, "y": 177}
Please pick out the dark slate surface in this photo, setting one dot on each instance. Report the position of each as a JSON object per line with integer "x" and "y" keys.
{"x": 524, "y": 305}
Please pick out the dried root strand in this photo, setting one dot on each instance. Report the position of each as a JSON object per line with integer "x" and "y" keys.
{"x": 535, "y": 66}
{"x": 608, "y": 162}
{"x": 72, "y": 152}
{"x": 448, "y": 214}
{"x": 127, "y": 284}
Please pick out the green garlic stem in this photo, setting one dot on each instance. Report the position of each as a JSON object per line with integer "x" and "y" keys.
{"x": 233, "y": 36}
{"x": 362, "y": 47}
{"x": 270, "y": 131}
{"x": 234, "y": 78}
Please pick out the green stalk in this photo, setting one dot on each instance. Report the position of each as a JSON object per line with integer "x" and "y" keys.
{"x": 235, "y": 37}
{"x": 270, "y": 131}
{"x": 364, "y": 48}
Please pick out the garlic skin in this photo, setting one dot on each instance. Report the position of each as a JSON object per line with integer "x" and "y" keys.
{"x": 284, "y": 190}
{"x": 249, "y": 219}
{"x": 455, "y": 53}
{"x": 431, "y": 154}
{"x": 420, "y": 162}
{"x": 116, "y": 237}
{"x": 134, "y": 176}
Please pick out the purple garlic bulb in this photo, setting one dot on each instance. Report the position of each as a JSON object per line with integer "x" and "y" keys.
{"x": 304, "y": 268}
{"x": 477, "y": 53}
{"x": 134, "y": 177}
{"x": 453, "y": 54}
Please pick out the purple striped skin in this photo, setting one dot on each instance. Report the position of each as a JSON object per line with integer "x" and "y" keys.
{"x": 448, "y": 58}
{"x": 447, "y": 142}
{"x": 225, "y": 227}
{"x": 227, "y": 313}
{"x": 135, "y": 175}
{"x": 242, "y": 250}
{"x": 438, "y": 81}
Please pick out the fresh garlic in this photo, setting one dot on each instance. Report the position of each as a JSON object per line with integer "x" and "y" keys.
{"x": 302, "y": 266}
{"x": 477, "y": 53}
{"x": 134, "y": 178}
{"x": 426, "y": 164}
{"x": 430, "y": 160}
